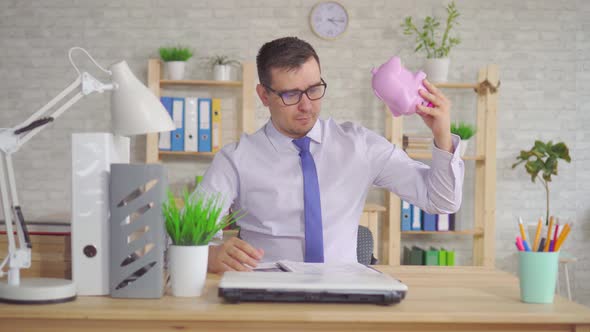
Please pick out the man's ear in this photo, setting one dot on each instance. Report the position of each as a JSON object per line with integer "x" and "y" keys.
{"x": 262, "y": 94}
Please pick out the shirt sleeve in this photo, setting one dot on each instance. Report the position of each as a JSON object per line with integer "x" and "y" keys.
{"x": 435, "y": 189}
{"x": 221, "y": 178}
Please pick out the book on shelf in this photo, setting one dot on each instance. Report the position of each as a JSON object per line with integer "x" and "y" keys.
{"x": 198, "y": 124}
{"x": 418, "y": 137}
{"x": 416, "y": 142}
{"x": 190, "y": 124}
{"x": 413, "y": 218}
{"x": 433, "y": 256}
{"x": 216, "y": 124}
{"x": 204, "y": 124}
{"x": 177, "y": 138}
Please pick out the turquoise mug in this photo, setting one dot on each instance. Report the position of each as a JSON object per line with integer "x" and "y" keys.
{"x": 537, "y": 272}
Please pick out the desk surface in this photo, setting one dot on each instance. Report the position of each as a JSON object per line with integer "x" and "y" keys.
{"x": 439, "y": 298}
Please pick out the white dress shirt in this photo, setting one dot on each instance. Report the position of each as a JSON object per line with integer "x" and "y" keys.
{"x": 261, "y": 175}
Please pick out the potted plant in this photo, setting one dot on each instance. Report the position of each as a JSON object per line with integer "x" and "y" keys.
{"x": 191, "y": 228}
{"x": 437, "y": 62}
{"x": 541, "y": 163}
{"x": 222, "y": 67}
{"x": 465, "y": 131}
{"x": 175, "y": 60}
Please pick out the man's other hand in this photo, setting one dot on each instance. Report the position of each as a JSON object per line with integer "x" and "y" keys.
{"x": 233, "y": 255}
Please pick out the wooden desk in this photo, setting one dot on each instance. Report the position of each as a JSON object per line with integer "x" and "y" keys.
{"x": 440, "y": 298}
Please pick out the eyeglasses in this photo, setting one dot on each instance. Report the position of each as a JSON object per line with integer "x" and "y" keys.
{"x": 293, "y": 97}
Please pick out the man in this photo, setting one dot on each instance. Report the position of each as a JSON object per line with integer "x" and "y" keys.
{"x": 303, "y": 181}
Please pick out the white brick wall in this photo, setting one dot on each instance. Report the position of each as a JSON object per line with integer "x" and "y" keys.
{"x": 542, "y": 48}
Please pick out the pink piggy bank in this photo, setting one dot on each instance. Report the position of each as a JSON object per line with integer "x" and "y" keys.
{"x": 398, "y": 87}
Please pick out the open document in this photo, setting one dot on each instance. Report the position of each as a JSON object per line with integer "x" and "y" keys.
{"x": 314, "y": 268}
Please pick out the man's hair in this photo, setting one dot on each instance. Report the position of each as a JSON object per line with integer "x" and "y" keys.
{"x": 285, "y": 53}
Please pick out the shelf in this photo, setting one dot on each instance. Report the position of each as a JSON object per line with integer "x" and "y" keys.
{"x": 449, "y": 85}
{"x": 463, "y": 232}
{"x": 429, "y": 156}
{"x": 484, "y": 180}
{"x": 201, "y": 82}
{"x": 186, "y": 153}
{"x": 246, "y": 107}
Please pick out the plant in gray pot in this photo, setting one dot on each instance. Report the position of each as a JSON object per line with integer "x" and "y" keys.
{"x": 175, "y": 59}
{"x": 465, "y": 131}
{"x": 191, "y": 228}
{"x": 437, "y": 61}
{"x": 222, "y": 66}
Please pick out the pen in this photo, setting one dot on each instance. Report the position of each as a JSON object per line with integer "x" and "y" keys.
{"x": 548, "y": 240}
{"x": 538, "y": 234}
{"x": 521, "y": 226}
{"x": 525, "y": 244}
{"x": 519, "y": 244}
{"x": 541, "y": 245}
{"x": 523, "y": 234}
{"x": 562, "y": 236}
{"x": 555, "y": 236}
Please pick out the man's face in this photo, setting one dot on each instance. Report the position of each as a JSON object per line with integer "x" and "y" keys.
{"x": 295, "y": 120}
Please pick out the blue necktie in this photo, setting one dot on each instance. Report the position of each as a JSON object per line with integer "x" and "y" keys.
{"x": 314, "y": 241}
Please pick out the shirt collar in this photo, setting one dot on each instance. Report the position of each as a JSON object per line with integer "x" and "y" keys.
{"x": 282, "y": 142}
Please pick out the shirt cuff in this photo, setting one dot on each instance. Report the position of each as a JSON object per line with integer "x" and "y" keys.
{"x": 442, "y": 157}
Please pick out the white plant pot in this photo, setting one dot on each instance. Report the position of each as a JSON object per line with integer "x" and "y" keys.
{"x": 187, "y": 266}
{"x": 222, "y": 72}
{"x": 175, "y": 69}
{"x": 463, "y": 147}
{"x": 437, "y": 70}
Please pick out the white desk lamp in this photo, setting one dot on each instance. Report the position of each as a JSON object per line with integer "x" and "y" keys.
{"x": 134, "y": 110}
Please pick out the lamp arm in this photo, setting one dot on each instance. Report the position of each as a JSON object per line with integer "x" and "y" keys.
{"x": 11, "y": 140}
{"x": 14, "y": 139}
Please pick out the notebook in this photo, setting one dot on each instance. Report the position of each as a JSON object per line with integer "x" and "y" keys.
{"x": 312, "y": 282}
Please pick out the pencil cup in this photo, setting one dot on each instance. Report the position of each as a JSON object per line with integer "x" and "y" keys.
{"x": 538, "y": 275}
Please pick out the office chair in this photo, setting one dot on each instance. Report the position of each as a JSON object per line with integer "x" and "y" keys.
{"x": 364, "y": 248}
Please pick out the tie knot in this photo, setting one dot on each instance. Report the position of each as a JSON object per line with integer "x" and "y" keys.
{"x": 302, "y": 143}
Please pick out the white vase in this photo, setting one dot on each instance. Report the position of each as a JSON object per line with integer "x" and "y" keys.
{"x": 437, "y": 70}
{"x": 175, "y": 69}
{"x": 463, "y": 147}
{"x": 187, "y": 266}
{"x": 222, "y": 72}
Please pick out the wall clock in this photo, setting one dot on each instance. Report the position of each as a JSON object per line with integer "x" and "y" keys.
{"x": 328, "y": 19}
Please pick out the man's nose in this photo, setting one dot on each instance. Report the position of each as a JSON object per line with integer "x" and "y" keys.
{"x": 304, "y": 103}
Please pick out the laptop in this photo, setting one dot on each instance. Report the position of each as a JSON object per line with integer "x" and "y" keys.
{"x": 326, "y": 287}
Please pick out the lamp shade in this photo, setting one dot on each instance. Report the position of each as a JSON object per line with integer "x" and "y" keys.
{"x": 135, "y": 110}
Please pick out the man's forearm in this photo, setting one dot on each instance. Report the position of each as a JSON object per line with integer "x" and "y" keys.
{"x": 444, "y": 142}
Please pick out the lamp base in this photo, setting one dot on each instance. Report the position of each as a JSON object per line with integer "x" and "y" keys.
{"x": 38, "y": 291}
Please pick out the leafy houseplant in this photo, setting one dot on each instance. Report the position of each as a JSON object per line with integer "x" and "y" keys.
{"x": 179, "y": 53}
{"x": 465, "y": 131}
{"x": 437, "y": 64}
{"x": 191, "y": 228}
{"x": 541, "y": 163}
{"x": 175, "y": 59}
{"x": 221, "y": 66}
{"x": 196, "y": 223}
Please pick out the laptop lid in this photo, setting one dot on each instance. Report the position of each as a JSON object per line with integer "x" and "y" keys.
{"x": 311, "y": 287}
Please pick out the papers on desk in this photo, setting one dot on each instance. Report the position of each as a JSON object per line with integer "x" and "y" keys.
{"x": 315, "y": 268}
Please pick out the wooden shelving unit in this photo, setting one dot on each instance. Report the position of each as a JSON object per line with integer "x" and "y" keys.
{"x": 461, "y": 232}
{"x": 246, "y": 121}
{"x": 426, "y": 156}
{"x": 483, "y": 232}
{"x": 201, "y": 82}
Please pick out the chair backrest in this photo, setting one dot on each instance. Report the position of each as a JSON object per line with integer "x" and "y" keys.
{"x": 364, "y": 248}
